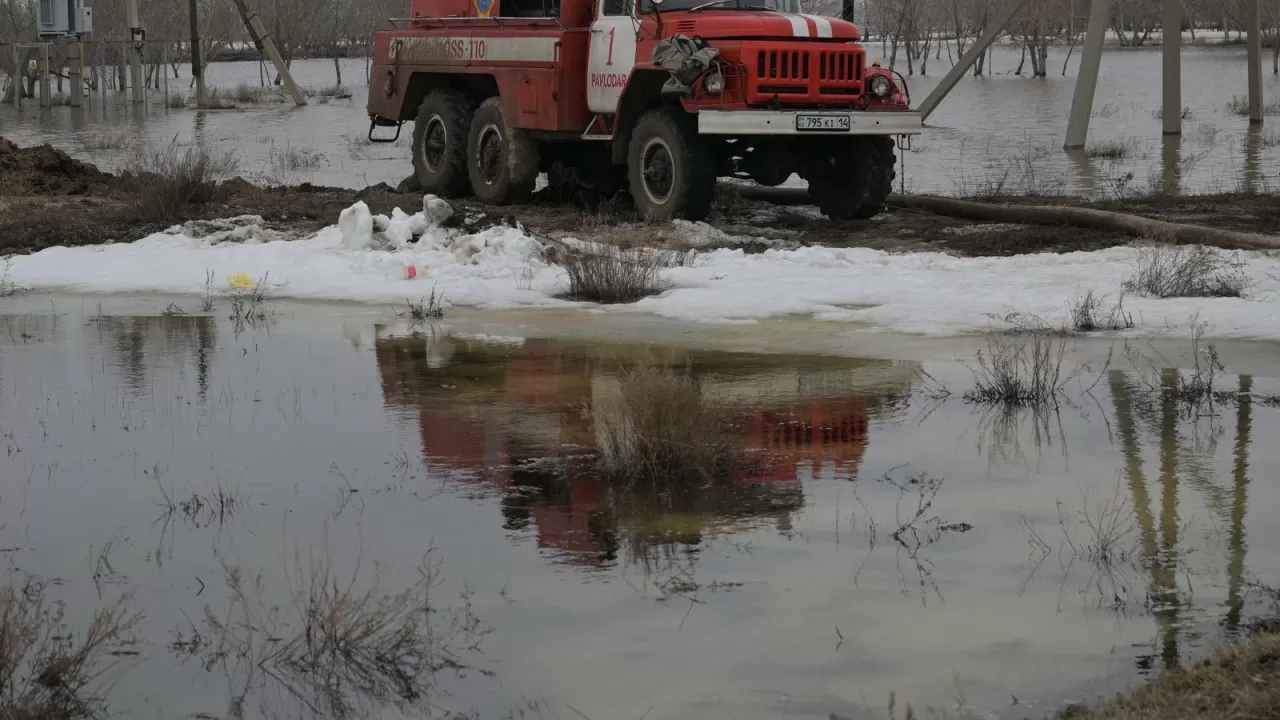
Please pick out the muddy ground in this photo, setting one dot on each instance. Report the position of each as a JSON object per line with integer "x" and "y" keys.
{"x": 48, "y": 198}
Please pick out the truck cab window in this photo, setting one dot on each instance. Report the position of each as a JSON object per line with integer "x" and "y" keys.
{"x": 529, "y": 8}
{"x": 617, "y": 7}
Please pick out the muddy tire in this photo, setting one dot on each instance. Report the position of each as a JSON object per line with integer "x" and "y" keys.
{"x": 502, "y": 162}
{"x": 883, "y": 171}
{"x": 853, "y": 182}
{"x": 671, "y": 172}
{"x": 440, "y": 143}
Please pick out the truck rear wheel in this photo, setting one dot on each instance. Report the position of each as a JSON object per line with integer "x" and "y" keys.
{"x": 501, "y": 161}
{"x": 853, "y": 182}
{"x": 440, "y": 143}
{"x": 671, "y": 172}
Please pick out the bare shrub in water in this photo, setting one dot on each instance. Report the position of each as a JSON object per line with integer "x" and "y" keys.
{"x": 662, "y": 429}
{"x": 608, "y": 275}
{"x": 1018, "y": 372}
{"x": 46, "y": 671}
{"x": 1167, "y": 271}
{"x": 171, "y": 178}
{"x": 338, "y": 641}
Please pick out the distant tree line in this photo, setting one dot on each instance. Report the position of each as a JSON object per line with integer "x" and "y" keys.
{"x": 911, "y": 31}
{"x": 300, "y": 29}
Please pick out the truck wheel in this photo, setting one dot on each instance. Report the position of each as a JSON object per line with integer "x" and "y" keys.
{"x": 671, "y": 172}
{"x": 440, "y": 143}
{"x": 853, "y": 182}
{"x": 502, "y": 161}
{"x": 883, "y": 171}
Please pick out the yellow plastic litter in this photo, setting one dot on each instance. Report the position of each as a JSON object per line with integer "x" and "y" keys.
{"x": 240, "y": 281}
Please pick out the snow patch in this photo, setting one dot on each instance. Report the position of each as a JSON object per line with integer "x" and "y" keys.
{"x": 356, "y": 225}
{"x": 364, "y": 258}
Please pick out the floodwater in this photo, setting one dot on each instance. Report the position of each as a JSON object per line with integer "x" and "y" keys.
{"x": 995, "y": 134}
{"x": 891, "y": 541}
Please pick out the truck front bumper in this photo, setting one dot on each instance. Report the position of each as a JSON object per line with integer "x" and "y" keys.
{"x": 801, "y": 122}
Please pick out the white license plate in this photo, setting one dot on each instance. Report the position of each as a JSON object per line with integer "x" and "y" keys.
{"x": 821, "y": 123}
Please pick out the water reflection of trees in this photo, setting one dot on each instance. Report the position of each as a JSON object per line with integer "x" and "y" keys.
{"x": 1179, "y": 458}
{"x": 511, "y": 418}
{"x": 139, "y": 343}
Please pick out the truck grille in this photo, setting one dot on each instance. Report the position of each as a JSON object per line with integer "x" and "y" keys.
{"x": 804, "y": 75}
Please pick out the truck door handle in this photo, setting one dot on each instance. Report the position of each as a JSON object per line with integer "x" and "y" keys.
{"x": 597, "y": 31}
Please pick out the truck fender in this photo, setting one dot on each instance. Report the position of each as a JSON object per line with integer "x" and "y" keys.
{"x": 643, "y": 92}
{"x": 477, "y": 87}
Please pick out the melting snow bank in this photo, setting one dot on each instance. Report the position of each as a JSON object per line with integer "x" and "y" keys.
{"x": 366, "y": 258}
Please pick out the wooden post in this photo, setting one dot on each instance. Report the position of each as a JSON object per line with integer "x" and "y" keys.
{"x": 17, "y": 76}
{"x": 164, "y": 71}
{"x": 75, "y": 68}
{"x": 46, "y": 89}
{"x": 196, "y": 71}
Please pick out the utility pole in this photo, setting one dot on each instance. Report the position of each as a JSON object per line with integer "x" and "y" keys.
{"x": 136, "y": 36}
{"x": 1255, "y": 62}
{"x": 263, "y": 41}
{"x": 197, "y": 72}
{"x": 1087, "y": 81}
{"x": 1171, "y": 47}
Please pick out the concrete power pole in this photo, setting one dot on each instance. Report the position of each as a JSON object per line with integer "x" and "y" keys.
{"x": 1172, "y": 49}
{"x": 263, "y": 41}
{"x": 1087, "y": 81}
{"x": 1255, "y": 62}
{"x": 136, "y": 36}
{"x": 197, "y": 72}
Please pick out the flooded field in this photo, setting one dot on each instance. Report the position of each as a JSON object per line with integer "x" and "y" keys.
{"x": 997, "y": 134}
{"x": 242, "y": 485}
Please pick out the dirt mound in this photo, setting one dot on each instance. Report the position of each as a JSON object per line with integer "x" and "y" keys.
{"x": 46, "y": 170}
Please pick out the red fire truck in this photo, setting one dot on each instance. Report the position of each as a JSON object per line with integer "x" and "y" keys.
{"x": 660, "y": 96}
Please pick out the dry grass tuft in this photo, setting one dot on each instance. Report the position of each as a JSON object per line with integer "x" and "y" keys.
{"x": 662, "y": 429}
{"x": 1018, "y": 372}
{"x": 1110, "y": 149}
{"x": 170, "y": 179}
{"x": 8, "y": 288}
{"x": 339, "y": 641}
{"x": 1240, "y": 106}
{"x": 48, "y": 672}
{"x": 106, "y": 141}
{"x": 609, "y": 275}
{"x": 1236, "y": 682}
{"x": 1088, "y": 315}
{"x": 1168, "y": 271}
{"x": 429, "y": 308}
{"x": 249, "y": 307}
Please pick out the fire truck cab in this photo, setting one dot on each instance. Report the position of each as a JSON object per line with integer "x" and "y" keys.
{"x": 660, "y": 97}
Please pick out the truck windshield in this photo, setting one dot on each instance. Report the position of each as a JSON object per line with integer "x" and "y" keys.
{"x": 790, "y": 6}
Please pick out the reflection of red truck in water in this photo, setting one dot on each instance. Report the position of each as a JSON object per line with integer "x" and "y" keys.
{"x": 493, "y": 412}
{"x": 659, "y": 96}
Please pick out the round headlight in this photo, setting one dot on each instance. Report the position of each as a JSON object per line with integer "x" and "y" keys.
{"x": 880, "y": 86}
{"x": 714, "y": 83}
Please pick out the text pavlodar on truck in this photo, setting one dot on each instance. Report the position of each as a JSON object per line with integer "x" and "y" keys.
{"x": 660, "y": 96}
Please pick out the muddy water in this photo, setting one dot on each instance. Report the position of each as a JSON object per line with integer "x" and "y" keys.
{"x": 890, "y": 542}
{"x": 1000, "y": 133}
